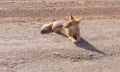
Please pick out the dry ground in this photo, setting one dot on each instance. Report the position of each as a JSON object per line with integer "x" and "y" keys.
{"x": 24, "y": 49}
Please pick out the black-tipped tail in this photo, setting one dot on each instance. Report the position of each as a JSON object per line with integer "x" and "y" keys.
{"x": 46, "y": 29}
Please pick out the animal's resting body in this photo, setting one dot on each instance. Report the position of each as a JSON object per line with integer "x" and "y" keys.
{"x": 68, "y": 28}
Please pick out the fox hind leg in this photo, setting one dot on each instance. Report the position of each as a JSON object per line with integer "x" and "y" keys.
{"x": 57, "y": 27}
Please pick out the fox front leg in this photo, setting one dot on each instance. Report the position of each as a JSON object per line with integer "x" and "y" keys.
{"x": 72, "y": 39}
{"x": 78, "y": 37}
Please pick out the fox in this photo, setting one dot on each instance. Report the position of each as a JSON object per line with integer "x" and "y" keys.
{"x": 69, "y": 28}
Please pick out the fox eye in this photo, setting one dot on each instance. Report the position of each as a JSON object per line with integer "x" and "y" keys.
{"x": 76, "y": 22}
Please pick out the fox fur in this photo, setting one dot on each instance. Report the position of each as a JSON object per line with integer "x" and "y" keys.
{"x": 68, "y": 28}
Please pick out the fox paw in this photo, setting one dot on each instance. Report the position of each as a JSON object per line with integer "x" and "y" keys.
{"x": 75, "y": 41}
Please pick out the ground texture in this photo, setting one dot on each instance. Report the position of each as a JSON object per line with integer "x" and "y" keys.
{"x": 24, "y": 49}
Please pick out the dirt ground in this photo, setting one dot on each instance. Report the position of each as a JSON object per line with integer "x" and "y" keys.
{"x": 24, "y": 49}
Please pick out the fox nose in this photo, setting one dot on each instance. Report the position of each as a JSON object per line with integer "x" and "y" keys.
{"x": 66, "y": 26}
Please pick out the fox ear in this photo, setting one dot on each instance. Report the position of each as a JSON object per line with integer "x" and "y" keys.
{"x": 71, "y": 17}
{"x": 78, "y": 20}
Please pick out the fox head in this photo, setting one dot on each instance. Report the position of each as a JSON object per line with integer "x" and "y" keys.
{"x": 72, "y": 22}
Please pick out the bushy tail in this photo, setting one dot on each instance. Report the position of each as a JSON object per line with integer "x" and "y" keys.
{"x": 46, "y": 28}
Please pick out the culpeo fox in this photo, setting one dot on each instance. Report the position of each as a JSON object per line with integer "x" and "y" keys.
{"x": 68, "y": 28}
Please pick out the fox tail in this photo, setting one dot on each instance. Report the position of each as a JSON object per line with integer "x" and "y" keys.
{"x": 46, "y": 28}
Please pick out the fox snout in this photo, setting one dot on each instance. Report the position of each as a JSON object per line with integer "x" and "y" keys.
{"x": 66, "y": 26}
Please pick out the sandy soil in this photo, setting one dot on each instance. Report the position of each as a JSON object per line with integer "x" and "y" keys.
{"x": 24, "y": 49}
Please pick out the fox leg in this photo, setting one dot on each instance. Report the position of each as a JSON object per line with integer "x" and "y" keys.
{"x": 72, "y": 39}
{"x": 78, "y": 37}
{"x": 57, "y": 27}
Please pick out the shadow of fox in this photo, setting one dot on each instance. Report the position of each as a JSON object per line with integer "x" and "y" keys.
{"x": 86, "y": 45}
